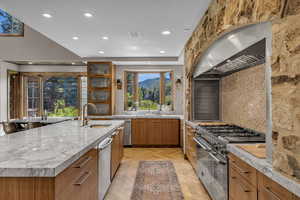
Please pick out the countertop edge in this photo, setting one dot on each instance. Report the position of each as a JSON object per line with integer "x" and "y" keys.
{"x": 138, "y": 117}
{"x": 265, "y": 168}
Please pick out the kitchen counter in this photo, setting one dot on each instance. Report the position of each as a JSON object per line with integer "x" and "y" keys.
{"x": 156, "y": 116}
{"x": 47, "y": 151}
{"x": 266, "y": 168}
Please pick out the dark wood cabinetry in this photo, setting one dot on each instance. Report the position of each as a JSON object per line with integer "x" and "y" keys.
{"x": 191, "y": 146}
{"x": 79, "y": 181}
{"x": 246, "y": 183}
{"x": 155, "y": 132}
{"x": 117, "y": 151}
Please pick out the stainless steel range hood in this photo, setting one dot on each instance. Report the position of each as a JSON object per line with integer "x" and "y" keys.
{"x": 237, "y": 50}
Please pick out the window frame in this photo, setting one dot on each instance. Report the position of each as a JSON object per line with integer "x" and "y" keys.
{"x": 161, "y": 87}
{"x": 42, "y": 76}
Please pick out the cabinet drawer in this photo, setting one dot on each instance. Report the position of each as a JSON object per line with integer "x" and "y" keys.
{"x": 269, "y": 190}
{"x": 245, "y": 170}
{"x": 80, "y": 173}
{"x": 239, "y": 188}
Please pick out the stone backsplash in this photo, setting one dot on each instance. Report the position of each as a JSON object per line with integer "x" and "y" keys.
{"x": 243, "y": 97}
{"x": 286, "y": 95}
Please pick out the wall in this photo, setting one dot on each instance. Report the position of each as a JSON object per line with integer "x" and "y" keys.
{"x": 243, "y": 97}
{"x": 224, "y": 16}
{"x": 178, "y": 73}
{"x": 33, "y": 46}
{"x": 3, "y": 88}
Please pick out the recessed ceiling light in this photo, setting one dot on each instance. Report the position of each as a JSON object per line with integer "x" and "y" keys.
{"x": 88, "y": 15}
{"x": 75, "y": 38}
{"x": 101, "y": 52}
{"x": 162, "y": 51}
{"x": 166, "y": 32}
{"x": 30, "y": 63}
{"x": 47, "y": 15}
{"x": 105, "y": 38}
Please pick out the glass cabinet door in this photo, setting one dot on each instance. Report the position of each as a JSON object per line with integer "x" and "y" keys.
{"x": 99, "y": 95}
{"x": 99, "y": 68}
{"x": 100, "y": 82}
{"x": 102, "y": 109}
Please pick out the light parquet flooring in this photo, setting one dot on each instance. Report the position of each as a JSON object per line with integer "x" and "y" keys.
{"x": 123, "y": 183}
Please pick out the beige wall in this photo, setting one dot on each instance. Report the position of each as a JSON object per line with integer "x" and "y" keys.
{"x": 243, "y": 97}
{"x": 33, "y": 46}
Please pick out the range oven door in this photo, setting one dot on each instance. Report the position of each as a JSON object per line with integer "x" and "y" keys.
{"x": 212, "y": 170}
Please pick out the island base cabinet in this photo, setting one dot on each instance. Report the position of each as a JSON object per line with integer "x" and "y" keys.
{"x": 79, "y": 181}
{"x": 117, "y": 151}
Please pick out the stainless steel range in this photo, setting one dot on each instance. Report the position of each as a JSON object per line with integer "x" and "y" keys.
{"x": 212, "y": 166}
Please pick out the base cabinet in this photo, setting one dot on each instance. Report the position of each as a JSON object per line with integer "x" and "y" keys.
{"x": 155, "y": 132}
{"x": 79, "y": 181}
{"x": 246, "y": 183}
{"x": 191, "y": 146}
{"x": 117, "y": 151}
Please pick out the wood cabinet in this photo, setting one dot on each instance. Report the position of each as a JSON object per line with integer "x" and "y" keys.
{"x": 245, "y": 182}
{"x": 191, "y": 146}
{"x": 117, "y": 151}
{"x": 155, "y": 132}
{"x": 79, "y": 181}
{"x": 100, "y": 87}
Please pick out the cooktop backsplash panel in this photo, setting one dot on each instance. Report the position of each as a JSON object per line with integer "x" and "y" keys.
{"x": 243, "y": 97}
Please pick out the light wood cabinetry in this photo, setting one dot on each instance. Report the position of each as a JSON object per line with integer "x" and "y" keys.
{"x": 117, "y": 151}
{"x": 79, "y": 181}
{"x": 245, "y": 182}
{"x": 191, "y": 146}
{"x": 155, "y": 132}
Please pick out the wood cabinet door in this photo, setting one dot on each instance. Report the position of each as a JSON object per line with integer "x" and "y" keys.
{"x": 139, "y": 132}
{"x": 239, "y": 188}
{"x": 170, "y": 132}
{"x": 121, "y": 143}
{"x": 115, "y": 154}
{"x": 154, "y": 132}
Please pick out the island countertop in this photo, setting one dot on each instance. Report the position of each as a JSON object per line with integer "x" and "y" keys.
{"x": 48, "y": 150}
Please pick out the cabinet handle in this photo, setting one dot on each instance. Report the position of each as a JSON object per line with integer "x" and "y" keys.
{"x": 241, "y": 185}
{"x": 268, "y": 189}
{"x": 83, "y": 178}
{"x": 84, "y": 162}
{"x": 240, "y": 169}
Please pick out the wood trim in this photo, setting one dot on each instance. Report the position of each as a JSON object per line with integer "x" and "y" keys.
{"x": 57, "y": 74}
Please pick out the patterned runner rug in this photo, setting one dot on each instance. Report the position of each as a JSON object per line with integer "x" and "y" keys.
{"x": 156, "y": 180}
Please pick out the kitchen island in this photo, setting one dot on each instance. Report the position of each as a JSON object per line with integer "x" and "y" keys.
{"x": 32, "y": 162}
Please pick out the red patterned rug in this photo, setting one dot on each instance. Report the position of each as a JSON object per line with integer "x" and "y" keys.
{"x": 156, "y": 180}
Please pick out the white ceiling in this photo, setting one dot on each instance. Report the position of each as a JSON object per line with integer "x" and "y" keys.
{"x": 115, "y": 19}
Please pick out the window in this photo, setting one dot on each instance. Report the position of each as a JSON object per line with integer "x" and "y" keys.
{"x": 149, "y": 91}
{"x": 33, "y": 96}
{"x": 10, "y": 26}
{"x": 58, "y": 95}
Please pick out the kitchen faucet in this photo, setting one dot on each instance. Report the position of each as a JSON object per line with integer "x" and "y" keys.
{"x": 84, "y": 120}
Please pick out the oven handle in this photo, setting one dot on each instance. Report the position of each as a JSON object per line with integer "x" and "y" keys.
{"x": 217, "y": 159}
{"x": 201, "y": 144}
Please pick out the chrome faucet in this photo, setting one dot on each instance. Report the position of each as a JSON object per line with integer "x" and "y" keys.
{"x": 84, "y": 120}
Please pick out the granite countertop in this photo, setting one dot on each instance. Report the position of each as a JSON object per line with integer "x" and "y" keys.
{"x": 50, "y": 120}
{"x": 47, "y": 151}
{"x": 192, "y": 124}
{"x": 156, "y": 116}
{"x": 266, "y": 168}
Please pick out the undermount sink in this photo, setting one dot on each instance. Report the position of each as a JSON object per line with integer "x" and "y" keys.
{"x": 99, "y": 125}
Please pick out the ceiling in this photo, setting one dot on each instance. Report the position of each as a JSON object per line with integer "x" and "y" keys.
{"x": 134, "y": 26}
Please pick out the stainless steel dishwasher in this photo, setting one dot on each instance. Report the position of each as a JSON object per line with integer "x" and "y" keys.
{"x": 104, "y": 156}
